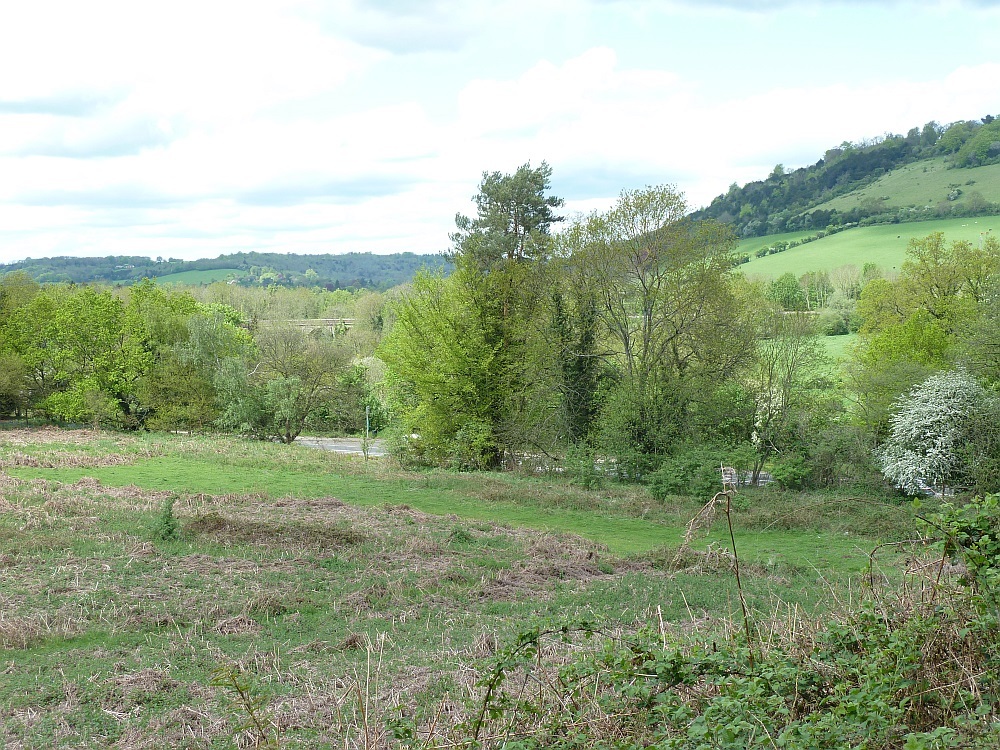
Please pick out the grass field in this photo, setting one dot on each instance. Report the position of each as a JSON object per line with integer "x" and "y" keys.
{"x": 883, "y": 244}
{"x": 200, "y": 277}
{"x": 343, "y": 592}
{"x": 923, "y": 184}
{"x": 839, "y": 347}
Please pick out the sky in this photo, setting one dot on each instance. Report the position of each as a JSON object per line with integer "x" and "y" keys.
{"x": 189, "y": 129}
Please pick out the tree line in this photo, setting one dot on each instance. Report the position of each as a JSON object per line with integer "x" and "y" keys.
{"x": 629, "y": 338}
{"x": 343, "y": 271}
{"x": 145, "y": 357}
{"x": 623, "y": 345}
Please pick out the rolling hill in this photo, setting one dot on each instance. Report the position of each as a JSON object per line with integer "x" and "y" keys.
{"x": 931, "y": 172}
{"x": 345, "y": 270}
{"x": 884, "y": 245}
{"x": 927, "y": 186}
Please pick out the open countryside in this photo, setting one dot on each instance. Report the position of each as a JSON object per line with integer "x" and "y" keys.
{"x": 884, "y": 245}
{"x": 539, "y": 520}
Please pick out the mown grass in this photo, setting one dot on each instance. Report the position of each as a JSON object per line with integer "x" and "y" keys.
{"x": 884, "y": 245}
{"x": 340, "y": 588}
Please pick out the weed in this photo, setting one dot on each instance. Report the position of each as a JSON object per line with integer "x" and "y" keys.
{"x": 166, "y": 527}
{"x": 255, "y": 722}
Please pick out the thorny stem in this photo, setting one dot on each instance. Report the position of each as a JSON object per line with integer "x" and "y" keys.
{"x": 728, "y": 494}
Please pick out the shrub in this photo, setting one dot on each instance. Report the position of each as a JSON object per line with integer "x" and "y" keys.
{"x": 166, "y": 528}
{"x": 971, "y": 535}
{"x": 695, "y": 471}
{"x": 833, "y": 323}
{"x": 581, "y": 466}
{"x": 473, "y": 447}
{"x": 791, "y": 472}
{"x": 876, "y": 677}
{"x": 938, "y": 433}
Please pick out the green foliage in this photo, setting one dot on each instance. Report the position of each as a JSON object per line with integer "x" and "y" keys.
{"x": 692, "y": 470}
{"x": 472, "y": 370}
{"x": 914, "y": 326}
{"x": 582, "y": 467}
{"x": 791, "y": 471}
{"x": 786, "y": 292}
{"x": 473, "y": 448}
{"x": 982, "y": 147}
{"x": 514, "y": 215}
{"x": 834, "y": 323}
{"x": 250, "y": 705}
{"x": 167, "y": 527}
{"x": 970, "y": 534}
{"x": 877, "y": 679}
{"x": 441, "y": 367}
{"x": 292, "y": 379}
{"x": 637, "y": 430}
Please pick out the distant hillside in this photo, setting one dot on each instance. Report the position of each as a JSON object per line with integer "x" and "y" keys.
{"x": 350, "y": 270}
{"x": 931, "y": 172}
{"x": 883, "y": 244}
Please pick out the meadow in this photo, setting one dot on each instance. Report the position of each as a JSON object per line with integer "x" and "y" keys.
{"x": 884, "y": 245}
{"x": 921, "y": 184}
{"x": 171, "y": 590}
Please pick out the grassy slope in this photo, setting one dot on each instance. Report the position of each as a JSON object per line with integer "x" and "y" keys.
{"x": 884, "y": 244}
{"x": 922, "y": 184}
{"x": 625, "y": 525}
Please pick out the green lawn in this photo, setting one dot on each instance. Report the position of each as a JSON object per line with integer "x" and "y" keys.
{"x": 884, "y": 244}
{"x": 839, "y": 347}
{"x": 193, "y": 476}
{"x": 624, "y": 519}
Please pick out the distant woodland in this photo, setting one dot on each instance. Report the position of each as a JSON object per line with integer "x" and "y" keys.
{"x": 346, "y": 271}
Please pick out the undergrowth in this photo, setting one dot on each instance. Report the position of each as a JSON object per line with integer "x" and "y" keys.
{"x": 917, "y": 670}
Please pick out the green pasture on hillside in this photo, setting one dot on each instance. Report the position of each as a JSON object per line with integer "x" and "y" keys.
{"x": 200, "y": 277}
{"x": 884, "y": 244}
{"x": 921, "y": 185}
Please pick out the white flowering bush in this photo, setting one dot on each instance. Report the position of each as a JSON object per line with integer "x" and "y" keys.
{"x": 931, "y": 439}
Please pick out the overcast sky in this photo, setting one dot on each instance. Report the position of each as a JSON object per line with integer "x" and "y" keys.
{"x": 190, "y": 129}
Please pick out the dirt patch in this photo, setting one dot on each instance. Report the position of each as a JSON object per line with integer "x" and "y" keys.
{"x": 243, "y": 531}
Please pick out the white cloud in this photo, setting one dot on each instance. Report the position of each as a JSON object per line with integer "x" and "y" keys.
{"x": 195, "y": 128}
{"x": 589, "y": 116}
